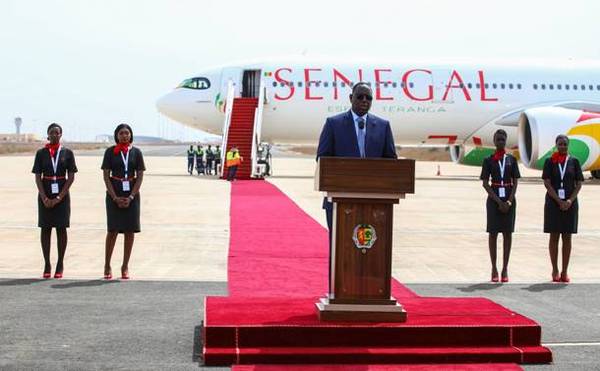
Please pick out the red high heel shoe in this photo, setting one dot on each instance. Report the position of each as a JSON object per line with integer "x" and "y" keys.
{"x": 58, "y": 275}
{"x": 494, "y": 278}
{"x": 564, "y": 278}
{"x": 108, "y": 276}
{"x": 505, "y": 279}
{"x": 556, "y": 278}
{"x": 47, "y": 272}
{"x": 125, "y": 273}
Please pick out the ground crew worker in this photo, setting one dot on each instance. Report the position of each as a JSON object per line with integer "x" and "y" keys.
{"x": 190, "y": 158}
{"x": 200, "y": 160}
{"x": 233, "y": 161}
{"x": 217, "y": 160}
{"x": 264, "y": 158}
{"x": 210, "y": 159}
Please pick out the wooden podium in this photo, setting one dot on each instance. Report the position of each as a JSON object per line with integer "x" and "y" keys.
{"x": 363, "y": 192}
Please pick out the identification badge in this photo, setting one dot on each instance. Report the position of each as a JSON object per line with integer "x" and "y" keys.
{"x": 561, "y": 194}
{"x": 54, "y": 188}
{"x": 501, "y": 192}
{"x": 126, "y": 187}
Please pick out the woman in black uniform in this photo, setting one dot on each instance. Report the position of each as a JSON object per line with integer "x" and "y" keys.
{"x": 54, "y": 168}
{"x": 123, "y": 168}
{"x": 562, "y": 177}
{"x": 501, "y": 205}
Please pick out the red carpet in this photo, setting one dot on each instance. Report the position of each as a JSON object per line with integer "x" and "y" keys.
{"x": 275, "y": 248}
{"x": 240, "y": 134}
{"x": 277, "y": 269}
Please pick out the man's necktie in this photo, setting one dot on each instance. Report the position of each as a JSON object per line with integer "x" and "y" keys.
{"x": 361, "y": 136}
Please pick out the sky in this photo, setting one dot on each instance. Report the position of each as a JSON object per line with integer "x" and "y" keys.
{"x": 91, "y": 65}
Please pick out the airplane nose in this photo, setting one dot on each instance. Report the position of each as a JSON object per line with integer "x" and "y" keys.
{"x": 184, "y": 106}
{"x": 165, "y": 104}
{"x": 172, "y": 107}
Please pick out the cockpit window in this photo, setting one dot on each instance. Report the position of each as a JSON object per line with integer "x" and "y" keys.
{"x": 199, "y": 83}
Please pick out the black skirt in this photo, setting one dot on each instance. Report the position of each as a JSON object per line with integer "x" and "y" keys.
{"x": 558, "y": 221}
{"x": 123, "y": 220}
{"x": 57, "y": 217}
{"x": 497, "y": 221}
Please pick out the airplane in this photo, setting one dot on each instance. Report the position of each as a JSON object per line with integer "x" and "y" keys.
{"x": 459, "y": 105}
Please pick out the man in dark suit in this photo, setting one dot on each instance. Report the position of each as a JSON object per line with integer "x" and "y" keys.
{"x": 355, "y": 133}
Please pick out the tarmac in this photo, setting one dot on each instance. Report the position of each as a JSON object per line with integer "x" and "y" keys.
{"x": 440, "y": 249}
{"x": 185, "y": 223}
{"x": 439, "y": 232}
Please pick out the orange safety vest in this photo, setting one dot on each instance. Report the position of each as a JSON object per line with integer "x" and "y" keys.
{"x": 233, "y": 159}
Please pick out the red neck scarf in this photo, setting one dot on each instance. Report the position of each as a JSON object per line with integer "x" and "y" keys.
{"x": 52, "y": 148}
{"x": 498, "y": 155}
{"x": 558, "y": 158}
{"x": 121, "y": 147}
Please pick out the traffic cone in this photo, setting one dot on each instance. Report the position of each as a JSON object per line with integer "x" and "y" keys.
{"x": 439, "y": 172}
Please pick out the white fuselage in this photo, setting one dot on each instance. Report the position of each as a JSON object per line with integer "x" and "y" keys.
{"x": 424, "y": 102}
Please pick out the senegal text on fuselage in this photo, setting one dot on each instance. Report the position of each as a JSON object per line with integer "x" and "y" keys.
{"x": 382, "y": 77}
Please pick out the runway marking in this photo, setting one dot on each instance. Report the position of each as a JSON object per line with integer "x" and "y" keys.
{"x": 584, "y": 344}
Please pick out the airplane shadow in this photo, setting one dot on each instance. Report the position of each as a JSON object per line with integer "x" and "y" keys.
{"x": 22, "y": 281}
{"x": 90, "y": 283}
{"x": 480, "y": 287}
{"x": 540, "y": 287}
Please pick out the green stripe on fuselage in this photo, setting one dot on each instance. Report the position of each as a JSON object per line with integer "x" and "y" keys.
{"x": 476, "y": 156}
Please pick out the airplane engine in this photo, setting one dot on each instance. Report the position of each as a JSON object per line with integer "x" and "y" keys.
{"x": 469, "y": 155}
{"x": 457, "y": 153}
{"x": 538, "y": 128}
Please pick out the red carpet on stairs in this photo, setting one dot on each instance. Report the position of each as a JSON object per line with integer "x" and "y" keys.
{"x": 277, "y": 270}
{"x": 240, "y": 133}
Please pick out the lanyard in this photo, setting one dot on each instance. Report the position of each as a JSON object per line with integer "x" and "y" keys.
{"x": 54, "y": 161}
{"x": 502, "y": 166}
{"x": 563, "y": 171}
{"x": 125, "y": 161}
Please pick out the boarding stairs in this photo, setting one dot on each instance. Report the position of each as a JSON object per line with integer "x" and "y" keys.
{"x": 242, "y": 126}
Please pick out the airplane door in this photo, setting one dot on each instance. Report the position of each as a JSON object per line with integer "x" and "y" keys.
{"x": 251, "y": 83}
{"x": 440, "y": 84}
{"x": 234, "y": 74}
